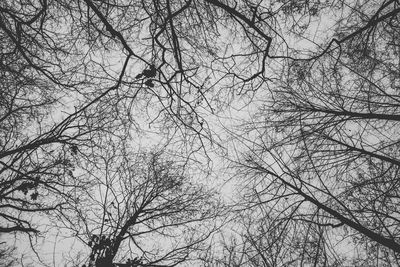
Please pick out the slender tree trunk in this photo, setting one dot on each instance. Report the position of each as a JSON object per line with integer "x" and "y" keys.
{"x": 389, "y": 243}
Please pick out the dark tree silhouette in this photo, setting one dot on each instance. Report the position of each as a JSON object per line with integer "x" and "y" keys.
{"x": 146, "y": 210}
{"x": 79, "y": 77}
{"x": 326, "y": 135}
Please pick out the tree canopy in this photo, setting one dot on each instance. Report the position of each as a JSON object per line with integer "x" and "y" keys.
{"x": 200, "y": 132}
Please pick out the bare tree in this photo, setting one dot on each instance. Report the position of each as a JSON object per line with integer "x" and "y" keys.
{"x": 78, "y": 77}
{"x": 326, "y": 136}
{"x": 143, "y": 209}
